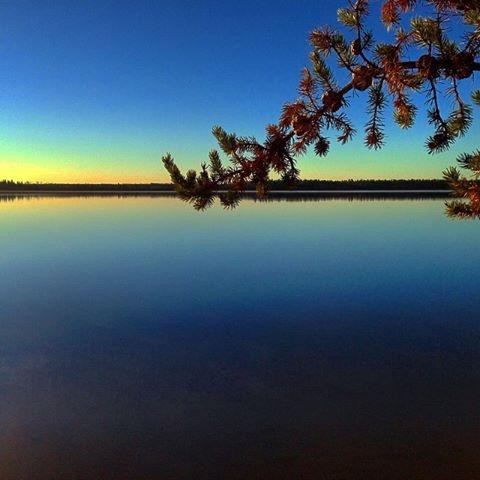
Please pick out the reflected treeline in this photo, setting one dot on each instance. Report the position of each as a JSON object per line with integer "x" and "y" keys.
{"x": 12, "y": 197}
{"x": 278, "y": 196}
{"x": 352, "y": 196}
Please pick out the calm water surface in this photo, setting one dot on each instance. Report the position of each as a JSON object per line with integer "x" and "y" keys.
{"x": 333, "y": 339}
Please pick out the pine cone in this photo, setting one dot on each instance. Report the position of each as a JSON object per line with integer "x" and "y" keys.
{"x": 356, "y": 47}
{"x": 300, "y": 124}
{"x": 462, "y": 65}
{"x": 427, "y": 66}
{"x": 362, "y": 78}
{"x": 332, "y": 100}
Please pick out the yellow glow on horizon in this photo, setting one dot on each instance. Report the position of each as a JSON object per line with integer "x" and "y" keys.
{"x": 48, "y": 165}
{"x": 45, "y": 169}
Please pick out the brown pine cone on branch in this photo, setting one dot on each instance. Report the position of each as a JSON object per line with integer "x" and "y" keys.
{"x": 428, "y": 66}
{"x": 462, "y": 65}
{"x": 300, "y": 124}
{"x": 362, "y": 78}
{"x": 332, "y": 100}
{"x": 356, "y": 47}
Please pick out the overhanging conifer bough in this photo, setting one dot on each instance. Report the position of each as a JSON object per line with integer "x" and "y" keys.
{"x": 386, "y": 72}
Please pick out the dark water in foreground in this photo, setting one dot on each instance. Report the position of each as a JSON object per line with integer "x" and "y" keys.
{"x": 333, "y": 339}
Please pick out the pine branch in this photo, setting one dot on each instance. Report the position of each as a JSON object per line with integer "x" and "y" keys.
{"x": 322, "y": 102}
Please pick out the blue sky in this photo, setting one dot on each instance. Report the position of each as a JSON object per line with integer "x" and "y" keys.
{"x": 99, "y": 90}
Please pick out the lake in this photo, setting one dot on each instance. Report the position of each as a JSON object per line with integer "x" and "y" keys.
{"x": 307, "y": 337}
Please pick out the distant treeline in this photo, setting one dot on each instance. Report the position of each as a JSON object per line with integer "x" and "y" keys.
{"x": 302, "y": 185}
{"x": 12, "y": 186}
{"x": 412, "y": 184}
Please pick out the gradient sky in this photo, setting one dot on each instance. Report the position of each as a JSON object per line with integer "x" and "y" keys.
{"x": 96, "y": 91}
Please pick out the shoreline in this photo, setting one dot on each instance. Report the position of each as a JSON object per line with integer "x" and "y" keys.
{"x": 246, "y": 192}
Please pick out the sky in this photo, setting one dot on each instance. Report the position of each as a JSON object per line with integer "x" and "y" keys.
{"x": 98, "y": 91}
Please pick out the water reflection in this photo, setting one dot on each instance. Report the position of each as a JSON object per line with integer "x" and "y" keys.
{"x": 142, "y": 340}
{"x": 276, "y": 196}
